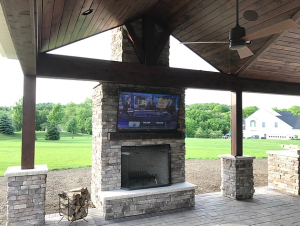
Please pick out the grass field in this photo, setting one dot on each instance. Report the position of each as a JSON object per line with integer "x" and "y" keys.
{"x": 69, "y": 153}
{"x": 62, "y": 154}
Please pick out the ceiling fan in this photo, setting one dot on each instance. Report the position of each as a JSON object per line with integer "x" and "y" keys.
{"x": 238, "y": 38}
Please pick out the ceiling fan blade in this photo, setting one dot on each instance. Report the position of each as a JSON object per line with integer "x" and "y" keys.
{"x": 186, "y": 43}
{"x": 276, "y": 28}
{"x": 245, "y": 52}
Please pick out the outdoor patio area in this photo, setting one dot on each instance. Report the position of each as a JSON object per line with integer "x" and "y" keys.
{"x": 268, "y": 207}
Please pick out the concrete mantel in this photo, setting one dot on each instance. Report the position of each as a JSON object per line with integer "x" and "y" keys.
{"x": 120, "y": 194}
{"x": 15, "y": 171}
{"x": 289, "y": 153}
{"x": 244, "y": 157}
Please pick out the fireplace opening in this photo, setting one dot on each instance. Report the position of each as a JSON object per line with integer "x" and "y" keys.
{"x": 145, "y": 166}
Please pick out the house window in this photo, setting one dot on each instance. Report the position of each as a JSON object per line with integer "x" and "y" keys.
{"x": 252, "y": 123}
{"x": 276, "y": 124}
{"x": 263, "y": 124}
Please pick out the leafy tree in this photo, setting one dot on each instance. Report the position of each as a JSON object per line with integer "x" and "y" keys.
{"x": 72, "y": 126}
{"x": 216, "y": 134}
{"x": 191, "y": 127}
{"x": 201, "y": 133}
{"x": 52, "y": 133}
{"x": 280, "y": 110}
{"x": 218, "y": 108}
{"x": 18, "y": 115}
{"x": 247, "y": 111}
{"x": 6, "y": 126}
{"x": 56, "y": 115}
{"x": 295, "y": 110}
{"x": 40, "y": 119}
{"x": 70, "y": 111}
{"x": 88, "y": 126}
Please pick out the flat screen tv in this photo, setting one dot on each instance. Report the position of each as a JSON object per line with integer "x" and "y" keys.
{"x": 148, "y": 111}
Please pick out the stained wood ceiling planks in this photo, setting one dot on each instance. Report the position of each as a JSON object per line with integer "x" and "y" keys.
{"x": 190, "y": 20}
{"x": 63, "y": 22}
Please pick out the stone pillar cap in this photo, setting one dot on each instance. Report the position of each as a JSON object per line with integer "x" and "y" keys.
{"x": 244, "y": 157}
{"x": 14, "y": 171}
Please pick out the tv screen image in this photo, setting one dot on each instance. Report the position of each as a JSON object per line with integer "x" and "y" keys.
{"x": 148, "y": 111}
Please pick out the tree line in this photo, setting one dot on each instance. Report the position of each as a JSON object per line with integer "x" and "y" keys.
{"x": 206, "y": 120}
{"x": 75, "y": 118}
{"x": 212, "y": 120}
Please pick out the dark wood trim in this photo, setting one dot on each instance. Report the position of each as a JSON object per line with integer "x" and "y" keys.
{"x": 135, "y": 42}
{"x": 28, "y": 124}
{"x": 236, "y": 124}
{"x": 67, "y": 67}
{"x": 144, "y": 135}
{"x": 148, "y": 30}
{"x": 265, "y": 47}
{"x": 162, "y": 43}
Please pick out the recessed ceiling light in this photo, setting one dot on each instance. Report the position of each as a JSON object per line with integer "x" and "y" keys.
{"x": 89, "y": 11}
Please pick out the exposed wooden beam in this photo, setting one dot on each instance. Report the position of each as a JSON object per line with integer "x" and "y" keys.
{"x": 162, "y": 43}
{"x": 20, "y": 19}
{"x": 265, "y": 47}
{"x": 66, "y": 67}
{"x": 236, "y": 124}
{"x": 135, "y": 42}
{"x": 28, "y": 124}
{"x": 58, "y": 66}
{"x": 148, "y": 30}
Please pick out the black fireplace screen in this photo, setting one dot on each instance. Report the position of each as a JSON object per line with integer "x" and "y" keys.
{"x": 145, "y": 166}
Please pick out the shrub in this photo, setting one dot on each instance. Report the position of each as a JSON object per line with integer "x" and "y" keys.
{"x": 296, "y": 136}
{"x": 52, "y": 133}
{"x": 6, "y": 126}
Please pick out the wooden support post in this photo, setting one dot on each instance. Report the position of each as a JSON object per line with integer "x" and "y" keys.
{"x": 28, "y": 125}
{"x": 236, "y": 124}
{"x": 149, "y": 39}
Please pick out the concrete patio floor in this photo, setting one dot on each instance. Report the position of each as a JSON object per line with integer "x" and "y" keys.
{"x": 268, "y": 207}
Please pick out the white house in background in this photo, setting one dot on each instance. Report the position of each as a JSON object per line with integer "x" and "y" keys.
{"x": 272, "y": 125}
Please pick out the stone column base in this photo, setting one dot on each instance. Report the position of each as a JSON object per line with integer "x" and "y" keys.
{"x": 237, "y": 176}
{"x": 284, "y": 171}
{"x": 26, "y": 192}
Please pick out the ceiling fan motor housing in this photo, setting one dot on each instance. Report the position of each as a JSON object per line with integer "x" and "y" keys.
{"x": 235, "y": 36}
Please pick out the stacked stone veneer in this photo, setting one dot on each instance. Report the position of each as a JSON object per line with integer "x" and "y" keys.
{"x": 26, "y": 196}
{"x": 116, "y": 208}
{"x": 123, "y": 51}
{"x": 106, "y": 155}
{"x": 237, "y": 176}
{"x": 283, "y": 171}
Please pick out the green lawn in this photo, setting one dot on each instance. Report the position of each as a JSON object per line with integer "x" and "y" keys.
{"x": 211, "y": 148}
{"x": 76, "y": 153}
{"x": 62, "y": 154}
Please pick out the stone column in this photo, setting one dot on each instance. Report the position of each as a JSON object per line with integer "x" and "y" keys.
{"x": 26, "y": 195}
{"x": 283, "y": 171}
{"x": 237, "y": 176}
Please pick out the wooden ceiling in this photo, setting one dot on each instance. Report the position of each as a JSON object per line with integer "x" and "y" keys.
{"x": 60, "y": 22}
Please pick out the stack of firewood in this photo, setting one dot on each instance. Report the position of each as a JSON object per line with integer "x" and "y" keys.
{"x": 74, "y": 203}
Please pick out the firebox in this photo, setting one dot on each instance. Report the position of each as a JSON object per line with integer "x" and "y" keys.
{"x": 145, "y": 166}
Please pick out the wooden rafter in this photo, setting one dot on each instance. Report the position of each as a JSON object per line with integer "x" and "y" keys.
{"x": 265, "y": 47}
{"x": 135, "y": 42}
{"x": 148, "y": 30}
{"x": 66, "y": 67}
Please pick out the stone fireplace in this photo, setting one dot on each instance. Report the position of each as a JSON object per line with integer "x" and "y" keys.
{"x": 145, "y": 166}
{"x": 107, "y": 159}
{"x": 136, "y": 172}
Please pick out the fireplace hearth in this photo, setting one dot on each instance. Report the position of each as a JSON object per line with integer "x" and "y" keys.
{"x": 145, "y": 166}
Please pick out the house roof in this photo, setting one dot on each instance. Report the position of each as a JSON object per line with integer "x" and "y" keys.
{"x": 285, "y": 113}
{"x": 291, "y": 120}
